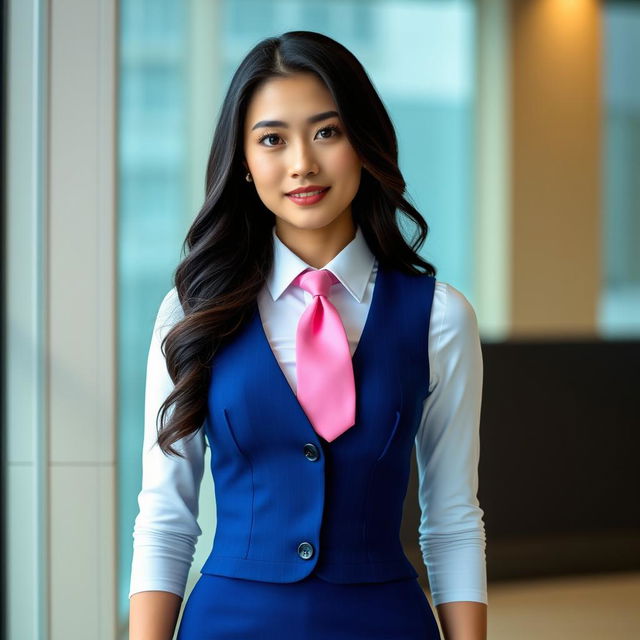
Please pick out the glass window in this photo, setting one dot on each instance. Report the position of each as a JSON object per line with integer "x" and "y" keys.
{"x": 620, "y": 302}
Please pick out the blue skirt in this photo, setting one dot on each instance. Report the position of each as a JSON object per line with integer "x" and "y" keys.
{"x": 225, "y": 608}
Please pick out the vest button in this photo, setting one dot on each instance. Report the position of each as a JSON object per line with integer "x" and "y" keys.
{"x": 305, "y": 550}
{"x": 311, "y": 451}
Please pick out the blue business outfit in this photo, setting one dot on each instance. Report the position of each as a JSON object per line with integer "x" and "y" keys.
{"x": 307, "y": 539}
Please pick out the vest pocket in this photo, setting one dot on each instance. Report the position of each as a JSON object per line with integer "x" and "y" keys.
{"x": 390, "y": 438}
{"x": 233, "y": 436}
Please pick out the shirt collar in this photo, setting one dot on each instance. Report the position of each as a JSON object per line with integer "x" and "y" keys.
{"x": 352, "y": 266}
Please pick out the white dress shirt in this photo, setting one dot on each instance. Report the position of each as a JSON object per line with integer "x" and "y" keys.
{"x": 451, "y": 532}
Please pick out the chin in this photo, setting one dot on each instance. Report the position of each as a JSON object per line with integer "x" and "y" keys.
{"x": 307, "y": 220}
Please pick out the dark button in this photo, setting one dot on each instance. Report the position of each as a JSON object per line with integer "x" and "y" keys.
{"x": 305, "y": 550}
{"x": 311, "y": 451}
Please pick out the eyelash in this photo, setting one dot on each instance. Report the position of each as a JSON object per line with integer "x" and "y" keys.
{"x": 330, "y": 127}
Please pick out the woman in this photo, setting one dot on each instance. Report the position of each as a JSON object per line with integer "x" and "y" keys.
{"x": 310, "y": 347}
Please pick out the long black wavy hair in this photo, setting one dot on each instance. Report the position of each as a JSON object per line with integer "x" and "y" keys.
{"x": 228, "y": 249}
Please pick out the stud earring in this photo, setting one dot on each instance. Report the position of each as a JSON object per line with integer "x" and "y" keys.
{"x": 248, "y": 177}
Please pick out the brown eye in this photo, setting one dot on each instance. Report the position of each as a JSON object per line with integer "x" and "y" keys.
{"x": 267, "y": 135}
{"x": 332, "y": 128}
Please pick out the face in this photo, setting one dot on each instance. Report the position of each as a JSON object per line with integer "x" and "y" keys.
{"x": 296, "y": 153}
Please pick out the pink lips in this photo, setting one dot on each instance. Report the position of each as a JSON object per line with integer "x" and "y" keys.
{"x": 307, "y": 200}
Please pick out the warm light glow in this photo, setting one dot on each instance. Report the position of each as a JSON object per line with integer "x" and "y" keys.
{"x": 565, "y": 22}
{"x": 569, "y": 9}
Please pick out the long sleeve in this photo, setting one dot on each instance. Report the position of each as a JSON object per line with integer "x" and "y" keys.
{"x": 451, "y": 533}
{"x": 166, "y": 528}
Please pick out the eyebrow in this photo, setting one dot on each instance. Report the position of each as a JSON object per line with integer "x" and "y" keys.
{"x": 279, "y": 123}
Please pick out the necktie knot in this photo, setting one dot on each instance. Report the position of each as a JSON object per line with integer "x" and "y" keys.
{"x": 316, "y": 281}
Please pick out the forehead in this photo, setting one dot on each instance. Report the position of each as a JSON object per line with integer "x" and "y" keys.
{"x": 291, "y": 99}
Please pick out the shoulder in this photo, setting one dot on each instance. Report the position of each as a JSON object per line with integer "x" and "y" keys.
{"x": 453, "y": 332}
{"x": 453, "y": 325}
{"x": 169, "y": 312}
{"x": 451, "y": 309}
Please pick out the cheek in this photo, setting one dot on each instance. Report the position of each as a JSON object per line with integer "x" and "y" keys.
{"x": 265, "y": 169}
{"x": 345, "y": 161}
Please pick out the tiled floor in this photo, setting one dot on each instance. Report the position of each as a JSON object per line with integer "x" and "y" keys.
{"x": 602, "y": 607}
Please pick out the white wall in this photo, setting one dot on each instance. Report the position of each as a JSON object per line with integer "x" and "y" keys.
{"x": 60, "y": 265}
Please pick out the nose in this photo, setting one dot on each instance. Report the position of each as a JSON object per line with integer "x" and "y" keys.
{"x": 304, "y": 161}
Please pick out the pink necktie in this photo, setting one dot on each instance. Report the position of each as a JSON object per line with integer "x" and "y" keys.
{"x": 324, "y": 368}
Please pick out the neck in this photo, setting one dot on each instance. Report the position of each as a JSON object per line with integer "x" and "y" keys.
{"x": 317, "y": 247}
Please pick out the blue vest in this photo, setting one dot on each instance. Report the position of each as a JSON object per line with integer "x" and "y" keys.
{"x": 289, "y": 503}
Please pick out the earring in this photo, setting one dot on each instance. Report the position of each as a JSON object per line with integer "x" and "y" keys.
{"x": 248, "y": 177}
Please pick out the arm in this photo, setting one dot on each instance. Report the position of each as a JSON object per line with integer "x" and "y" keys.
{"x": 166, "y": 528}
{"x": 451, "y": 532}
{"x": 463, "y": 620}
{"x": 153, "y": 615}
